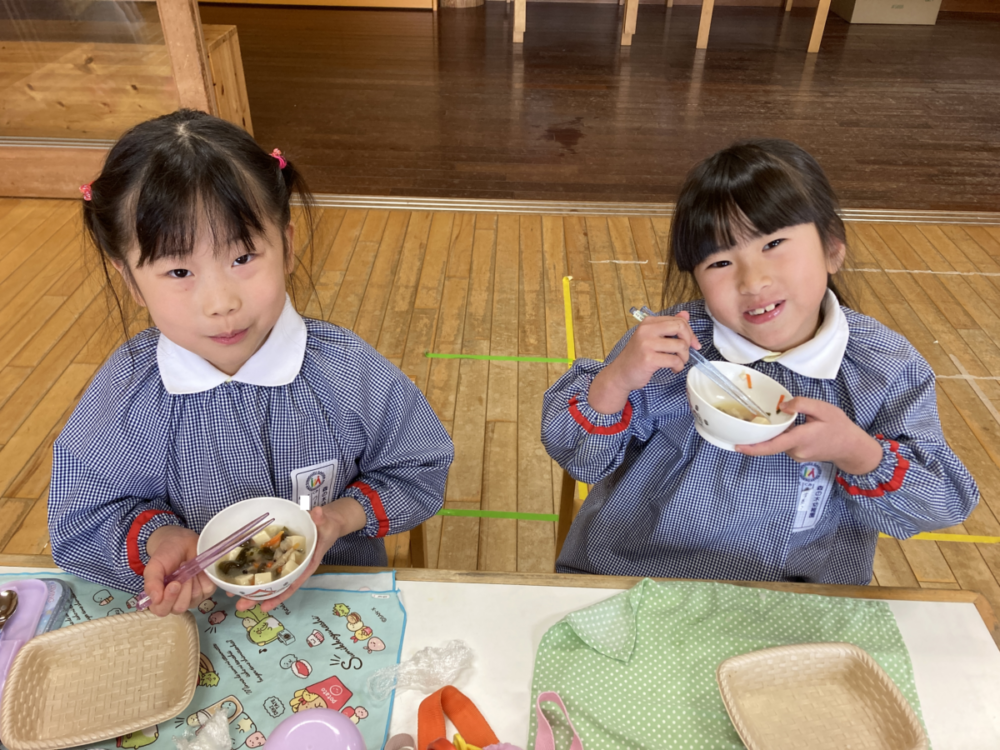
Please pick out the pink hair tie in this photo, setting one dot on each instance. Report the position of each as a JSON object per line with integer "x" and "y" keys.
{"x": 87, "y": 194}
{"x": 281, "y": 159}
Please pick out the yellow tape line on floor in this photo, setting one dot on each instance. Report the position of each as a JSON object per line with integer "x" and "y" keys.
{"x": 581, "y": 488}
{"x": 930, "y": 536}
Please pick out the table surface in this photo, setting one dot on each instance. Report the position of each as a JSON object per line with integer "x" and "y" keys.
{"x": 952, "y": 637}
{"x": 502, "y": 617}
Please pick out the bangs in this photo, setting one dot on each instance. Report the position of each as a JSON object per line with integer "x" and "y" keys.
{"x": 181, "y": 196}
{"x": 731, "y": 198}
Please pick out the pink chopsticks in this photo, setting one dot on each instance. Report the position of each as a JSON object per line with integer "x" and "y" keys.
{"x": 193, "y": 567}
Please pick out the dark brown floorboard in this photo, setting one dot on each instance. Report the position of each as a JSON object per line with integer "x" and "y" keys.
{"x": 406, "y": 103}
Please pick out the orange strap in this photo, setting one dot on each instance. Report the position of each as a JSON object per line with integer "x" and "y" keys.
{"x": 463, "y": 714}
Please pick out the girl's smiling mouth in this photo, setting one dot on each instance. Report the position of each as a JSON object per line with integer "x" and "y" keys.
{"x": 764, "y": 314}
{"x": 228, "y": 339}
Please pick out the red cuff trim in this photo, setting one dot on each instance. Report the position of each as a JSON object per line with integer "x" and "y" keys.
{"x": 132, "y": 540}
{"x": 620, "y": 426}
{"x": 377, "y": 508}
{"x": 892, "y": 485}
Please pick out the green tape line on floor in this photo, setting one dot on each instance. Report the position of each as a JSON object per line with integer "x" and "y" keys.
{"x": 551, "y": 517}
{"x": 498, "y": 358}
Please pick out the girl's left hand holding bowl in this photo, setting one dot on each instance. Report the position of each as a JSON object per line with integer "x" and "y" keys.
{"x": 339, "y": 518}
{"x": 169, "y": 547}
{"x": 827, "y": 435}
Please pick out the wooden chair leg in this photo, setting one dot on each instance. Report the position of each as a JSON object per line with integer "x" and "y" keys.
{"x": 418, "y": 547}
{"x": 519, "y": 21}
{"x": 567, "y": 509}
{"x": 628, "y": 23}
{"x": 705, "y": 25}
{"x": 822, "y": 10}
{"x": 670, "y": 3}
{"x": 788, "y": 6}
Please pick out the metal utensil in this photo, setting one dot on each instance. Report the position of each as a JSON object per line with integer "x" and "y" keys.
{"x": 8, "y": 604}
{"x": 711, "y": 372}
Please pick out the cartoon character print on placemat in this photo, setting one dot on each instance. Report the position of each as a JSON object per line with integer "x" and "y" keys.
{"x": 142, "y": 738}
{"x": 360, "y": 631}
{"x": 258, "y": 662}
{"x": 262, "y": 628}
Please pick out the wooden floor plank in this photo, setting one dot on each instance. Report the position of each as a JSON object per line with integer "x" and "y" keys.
{"x": 355, "y": 282}
{"x": 586, "y": 321}
{"x": 8, "y": 207}
{"x": 331, "y": 274}
{"x": 31, "y": 537}
{"x": 926, "y": 561}
{"x": 10, "y": 380}
{"x": 33, "y": 480}
{"x": 392, "y": 339}
{"x": 985, "y": 239}
{"x": 29, "y": 218}
{"x": 933, "y": 286}
{"x": 891, "y": 566}
{"x": 56, "y": 256}
{"x": 22, "y": 405}
{"x": 371, "y": 314}
{"x": 630, "y": 277}
{"x": 88, "y": 296}
{"x": 327, "y": 225}
{"x": 57, "y": 226}
{"x": 498, "y": 537}
{"x": 535, "y": 539}
{"x": 30, "y": 434}
{"x": 610, "y": 304}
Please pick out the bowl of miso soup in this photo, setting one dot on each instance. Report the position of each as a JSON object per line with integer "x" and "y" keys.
{"x": 722, "y": 421}
{"x": 268, "y": 563}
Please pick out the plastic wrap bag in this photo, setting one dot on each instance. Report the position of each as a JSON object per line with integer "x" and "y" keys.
{"x": 427, "y": 670}
{"x": 212, "y": 735}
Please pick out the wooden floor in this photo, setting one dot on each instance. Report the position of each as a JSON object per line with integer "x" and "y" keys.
{"x": 444, "y": 105}
{"x": 489, "y": 284}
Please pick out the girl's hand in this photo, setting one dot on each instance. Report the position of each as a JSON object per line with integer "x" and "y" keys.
{"x": 658, "y": 343}
{"x": 339, "y": 518}
{"x": 827, "y": 435}
{"x": 169, "y": 547}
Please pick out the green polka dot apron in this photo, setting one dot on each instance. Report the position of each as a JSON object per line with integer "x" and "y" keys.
{"x": 637, "y": 670}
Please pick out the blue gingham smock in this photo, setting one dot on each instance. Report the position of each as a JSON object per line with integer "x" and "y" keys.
{"x": 668, "y": 503}
{"x": 134, "y": 457}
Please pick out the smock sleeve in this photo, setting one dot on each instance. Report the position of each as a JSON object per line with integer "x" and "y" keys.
{"x": 920, "y": 484}
{"x": 108, "y": 493}
{"x": 99, "y": 528}
{"x": 591, "y": 445}
{"x": 406, "y": 455}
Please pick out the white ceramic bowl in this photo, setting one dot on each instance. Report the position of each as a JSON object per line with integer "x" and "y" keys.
{"x": 723, "y": 430}
{"x": 284, "y": 513}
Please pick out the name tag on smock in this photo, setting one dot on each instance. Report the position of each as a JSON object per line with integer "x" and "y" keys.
{"x": 316, "y": 481}
{"x": 815, "y": 484}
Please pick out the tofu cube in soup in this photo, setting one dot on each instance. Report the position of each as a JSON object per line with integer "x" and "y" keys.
{"x": 266, "y": 557}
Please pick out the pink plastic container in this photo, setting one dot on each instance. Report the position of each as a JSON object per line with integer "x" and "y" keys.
{"x": 316, "y": 729}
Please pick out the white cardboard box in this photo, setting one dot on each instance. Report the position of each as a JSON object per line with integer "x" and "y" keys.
{"x": 922, "y": 12}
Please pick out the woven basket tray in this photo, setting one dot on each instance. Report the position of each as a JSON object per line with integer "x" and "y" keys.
{"x": 819, "y": 696}
{"x": 98, "y": 680}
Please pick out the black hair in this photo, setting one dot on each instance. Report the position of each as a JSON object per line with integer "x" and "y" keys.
{"x": 751, "y": 189}
{"x": 167, "y": 178}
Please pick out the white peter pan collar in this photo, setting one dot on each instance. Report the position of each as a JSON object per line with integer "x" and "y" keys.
{"x": 277, "y": 362}
{"x": 819, "y": 357}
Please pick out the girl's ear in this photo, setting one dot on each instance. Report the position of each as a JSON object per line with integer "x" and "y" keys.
{"x": 289, "y": 248}
{"x": 130, "y": 284}
{"x": 835, "y": 256}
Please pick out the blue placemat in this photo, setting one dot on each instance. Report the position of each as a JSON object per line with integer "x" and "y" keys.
{"x": 315, "y": 650}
